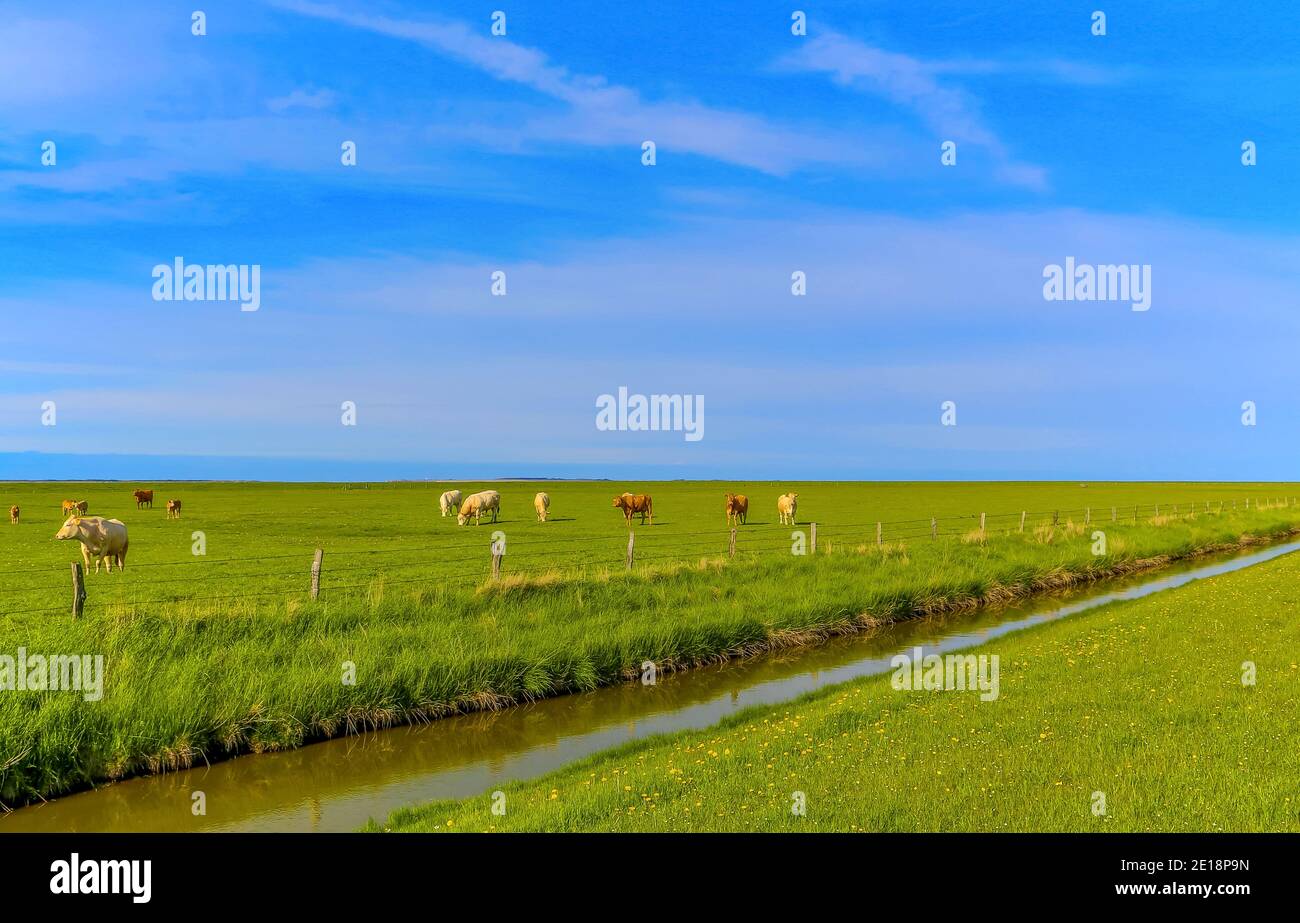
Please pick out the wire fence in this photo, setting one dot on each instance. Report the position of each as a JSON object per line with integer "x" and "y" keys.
{"x": 477, "y": 562}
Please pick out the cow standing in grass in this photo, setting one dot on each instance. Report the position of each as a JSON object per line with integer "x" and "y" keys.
{"x": 449, "y": 502}
{"x": 737, "y": 509}
{"x": 80, "y": 507}
{"x": 13, "y": 515}
{"x": 68, "y": 508}
{"x": 173, "y": 509}
{"x": 101, "y": 539}
{"x": 542, "y": 504}
{"x": 143, "y": 498}
{"x": 631, "y": 504}
{"x": 477, "y": 504}
{"x": 786, "y": 507}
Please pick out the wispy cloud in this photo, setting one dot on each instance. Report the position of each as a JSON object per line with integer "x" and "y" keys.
{"x": 601, "y": 113}
{"x": 913, "y": 84}
{"x": 302, "y": 99}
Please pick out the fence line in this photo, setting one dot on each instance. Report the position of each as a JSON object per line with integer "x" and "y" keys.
{"x": 721, "y": 543}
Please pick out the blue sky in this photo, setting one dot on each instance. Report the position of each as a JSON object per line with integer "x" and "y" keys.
{"x": 775, "y": 153}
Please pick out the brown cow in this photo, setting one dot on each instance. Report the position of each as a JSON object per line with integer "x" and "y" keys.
{"x": 68, "y": 507}
{"x": 737, "y": 509}
{"x": 631, "y": 504}
{"x": 81, "y": 506}
{"x": 173, "y": 509}
{"x": 143, "y": 498}
{"x": 13, "y": 514}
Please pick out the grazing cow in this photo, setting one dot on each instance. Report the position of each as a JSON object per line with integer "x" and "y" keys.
{"x": 541, "y": 503}
{"x": 173, "y": 509}
{"x": 477, "y": 504}
{"x": 80, "y": 507}
{"x": 13, "y": 514}
{"x": 631, "y": 504}
{"x": 103, "y": 539}
{"x": 143, "y": 498}
{"x": 786, "y": 507}
{"x": 68, "y": 508}
{"x": 450, "y": 502}
{"x": 737, "y": 509}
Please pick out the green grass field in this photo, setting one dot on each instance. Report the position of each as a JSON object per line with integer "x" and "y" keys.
{"x": 212, "y": 655}
{"x": 1143, "y": 702}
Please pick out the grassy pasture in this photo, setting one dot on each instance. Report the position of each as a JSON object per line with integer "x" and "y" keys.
{"x": 1142, "y": 701}
{"x": 214, "y": 655}
{"x": 260, "y": 537}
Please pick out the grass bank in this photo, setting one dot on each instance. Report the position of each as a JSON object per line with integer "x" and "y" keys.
{"x": 1141, "y": 704}
{"x": 189, "y": 679}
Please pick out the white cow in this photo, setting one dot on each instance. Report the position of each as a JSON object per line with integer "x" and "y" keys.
{"x": 477, "y": 504}
{"x": 541, "y": 503}
{"x": 450, "y": 502}
{"x": 787, "y": 505}
{"x": 103, "y": 539}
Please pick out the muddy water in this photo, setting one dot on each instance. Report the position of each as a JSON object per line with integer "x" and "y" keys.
{"x": 337, "y": 785}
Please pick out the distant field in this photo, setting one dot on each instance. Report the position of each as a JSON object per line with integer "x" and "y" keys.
{"x": 260, "y": 537}
{"x": 1142, "y": 702}
{"x": 224, "y": 653}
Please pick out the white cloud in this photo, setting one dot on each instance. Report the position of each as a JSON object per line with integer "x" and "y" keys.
{"x": 302, "y": 99}
{"x": 950, "y": 112}
{"x": 603, "y": 114}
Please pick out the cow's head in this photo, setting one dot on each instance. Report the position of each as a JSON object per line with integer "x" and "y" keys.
{"x": 462, "y": 518}
{"x": 618, "y": 501}
{"x": 71, "y": 529}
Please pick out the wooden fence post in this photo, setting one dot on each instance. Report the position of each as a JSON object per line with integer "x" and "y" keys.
{"x": 812, "y": 543}
{"x": 1087, "y": 515}
{"x": 982, "y": 523}
{"x": 1112, "y": 514}
{"x": 631, "y": 543}
{"x": 315, "y": 572}
{"x": 1135, "y": 514}
{"x": 934, "y": 527}
{"x": 879, "y": 539}
{"x": 1157, "y": 510}
{"x": 78, "y": 591}
{"x": 731, "y": 545}
{"x": 1022, "y": 520}
{"x": 496, "y": 562}
{"x": 1056, "y": 517}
